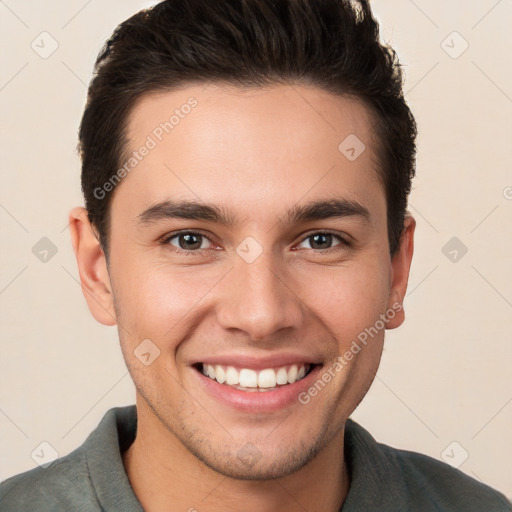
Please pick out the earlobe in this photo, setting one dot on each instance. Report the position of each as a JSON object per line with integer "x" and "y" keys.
{"x": 400, "y": 266}
{"x": 92, "y": 267}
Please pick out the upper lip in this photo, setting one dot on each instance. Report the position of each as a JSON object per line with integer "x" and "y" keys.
{"x": 258, "y": 362}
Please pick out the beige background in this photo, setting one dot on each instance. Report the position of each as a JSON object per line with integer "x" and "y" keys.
{"x": 445, "y": 375}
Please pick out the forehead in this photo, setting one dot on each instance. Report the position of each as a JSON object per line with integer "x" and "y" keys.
{"x": 263, "y": 146}
{"x": 228, "y": 113}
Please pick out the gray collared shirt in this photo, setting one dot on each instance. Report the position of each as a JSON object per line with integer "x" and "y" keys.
{"x": 92, "y": 478}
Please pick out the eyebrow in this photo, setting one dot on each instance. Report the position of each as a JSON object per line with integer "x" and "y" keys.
{"x": 194, "y": 210}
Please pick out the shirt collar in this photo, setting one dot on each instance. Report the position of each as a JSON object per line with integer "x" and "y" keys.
{"x": 373, "y": 476}
{"x": 103, "y": 448}
{"x": 372, "y": 486}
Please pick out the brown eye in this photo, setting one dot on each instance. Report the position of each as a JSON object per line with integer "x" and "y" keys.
{"x": 323, "y": 241}
{"x": 188, "y": 241}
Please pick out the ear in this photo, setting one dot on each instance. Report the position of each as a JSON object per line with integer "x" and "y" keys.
{"x": 92, "y": 267}
{"x": 400, "y": 266}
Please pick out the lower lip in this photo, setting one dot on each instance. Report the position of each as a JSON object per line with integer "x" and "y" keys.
{"x": 258, "y": 401}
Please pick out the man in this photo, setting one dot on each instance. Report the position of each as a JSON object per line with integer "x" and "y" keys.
{"x": 246, "y": 168}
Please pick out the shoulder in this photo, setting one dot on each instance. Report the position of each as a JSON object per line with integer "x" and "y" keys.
{"x": 63, "y": 485}
{"x": 431, "y": 481}
{"x": 387, "y": 478}
{"x": 90, "y": 478}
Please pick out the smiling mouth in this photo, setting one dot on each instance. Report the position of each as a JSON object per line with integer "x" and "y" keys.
{"x": 246, "y": 379}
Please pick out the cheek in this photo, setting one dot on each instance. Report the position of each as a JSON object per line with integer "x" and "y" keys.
{"x": 155, "y": 300}
{"x": 347, "y": 299}
{"x": 154, "y": 303}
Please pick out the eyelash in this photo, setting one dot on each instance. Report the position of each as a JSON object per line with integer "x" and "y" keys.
{"x": 343, "y": 243}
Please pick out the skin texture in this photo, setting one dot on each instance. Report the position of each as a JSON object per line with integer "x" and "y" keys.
{"x": 256, "y": 154}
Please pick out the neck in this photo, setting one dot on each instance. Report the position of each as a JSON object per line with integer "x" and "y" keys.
{"x": 166, "y": 476}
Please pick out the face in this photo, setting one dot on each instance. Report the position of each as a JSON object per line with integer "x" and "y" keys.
{"x": 249, "y": 258}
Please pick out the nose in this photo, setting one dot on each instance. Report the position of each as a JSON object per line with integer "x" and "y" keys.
{"x": 258, "y": 298}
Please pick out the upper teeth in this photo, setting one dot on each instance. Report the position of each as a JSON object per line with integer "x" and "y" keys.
{"x": 247, "y": 378}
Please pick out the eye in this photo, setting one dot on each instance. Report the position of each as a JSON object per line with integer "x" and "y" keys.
{"x": 188, "y": 241}
{"x": 323, "y": 241}
{"x": 192, "y": 241}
